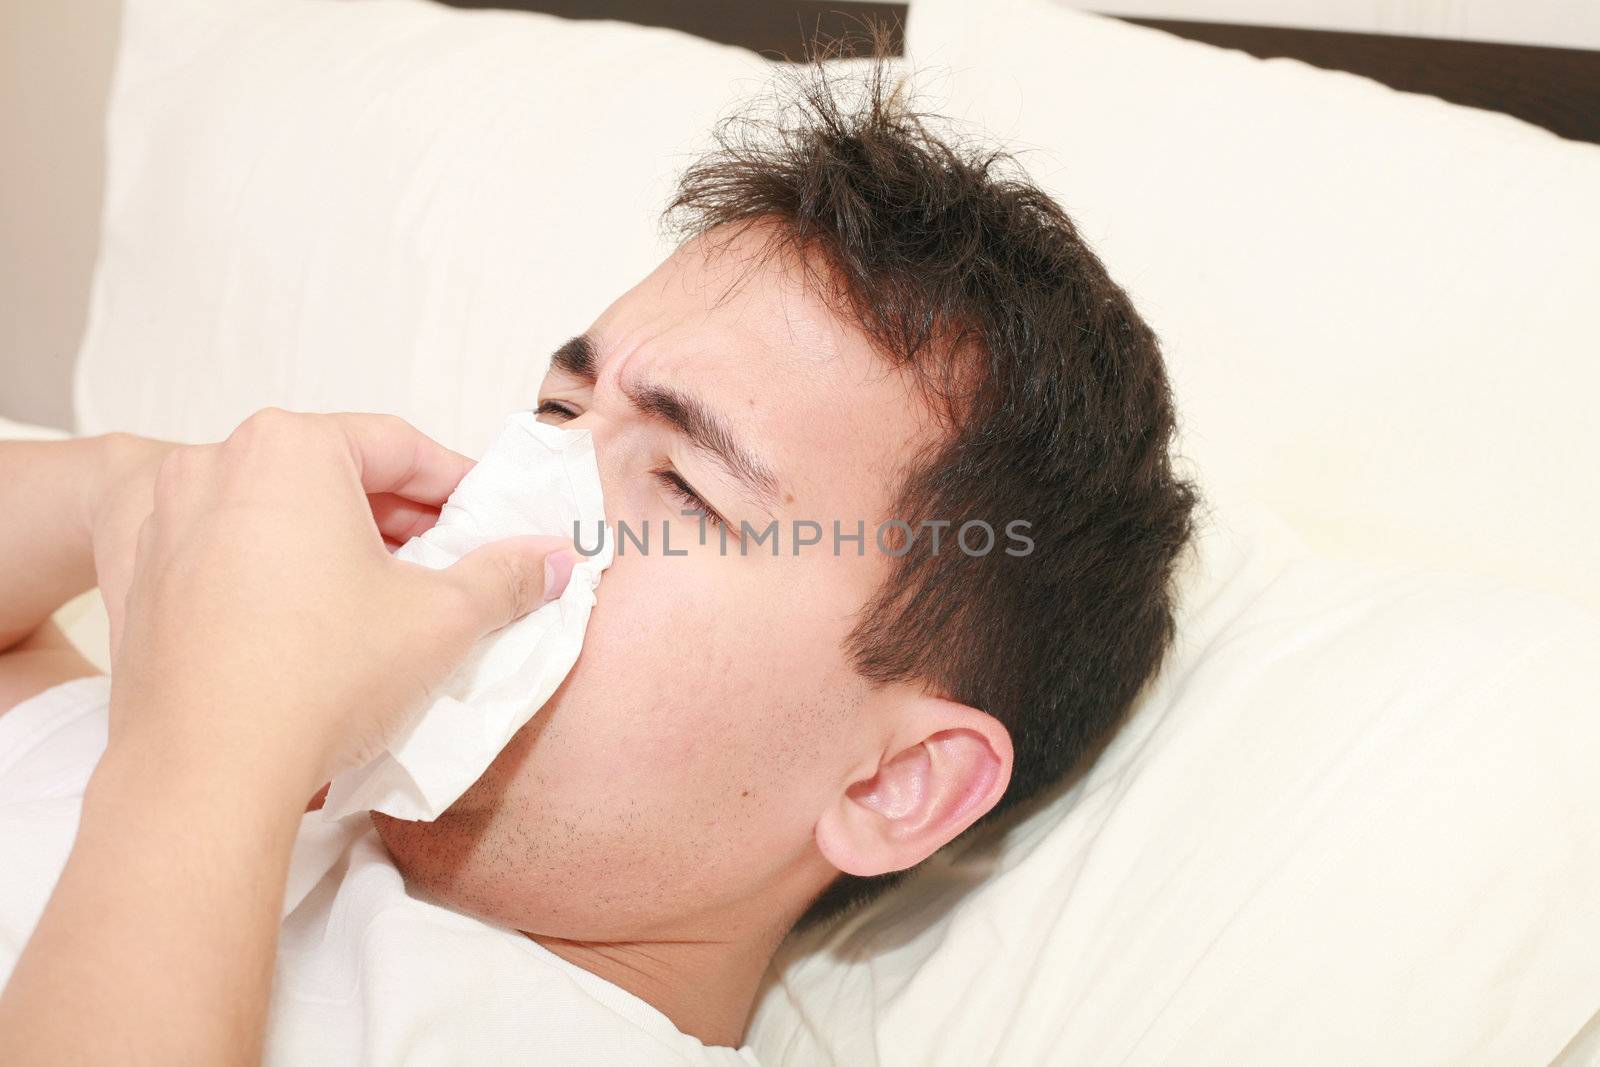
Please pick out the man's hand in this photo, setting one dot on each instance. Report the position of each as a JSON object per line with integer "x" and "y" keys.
{"x": 266, "y": 617}
{"x": 269, "y": 640}
{"x": 121, "y": 495}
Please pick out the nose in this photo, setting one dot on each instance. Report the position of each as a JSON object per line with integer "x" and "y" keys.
{"x": 610, "y": 453}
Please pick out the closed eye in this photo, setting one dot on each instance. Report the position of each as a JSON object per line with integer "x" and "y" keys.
{"x": 673, "y": 482}
{"x": 670, "y": 479}
{"x": 556, "y": 408}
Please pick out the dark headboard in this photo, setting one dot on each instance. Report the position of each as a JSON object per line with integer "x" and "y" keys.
{"x": 1557, "y": 88}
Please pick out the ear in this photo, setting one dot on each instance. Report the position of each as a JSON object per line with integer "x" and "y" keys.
{"x": 947, "y": 766}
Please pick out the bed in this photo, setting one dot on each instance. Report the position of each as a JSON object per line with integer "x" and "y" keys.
{"x": 1353, "y": 820}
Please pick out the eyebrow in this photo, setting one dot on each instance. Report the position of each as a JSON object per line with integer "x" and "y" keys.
{"x": 576, "y": 358}
{"x": 686, "y": 413}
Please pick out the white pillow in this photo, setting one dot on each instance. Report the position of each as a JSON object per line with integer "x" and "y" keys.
{"x": 376, "y": 204}
{"x": 1380, "y": 309}
{"x": 1352, "y": 822}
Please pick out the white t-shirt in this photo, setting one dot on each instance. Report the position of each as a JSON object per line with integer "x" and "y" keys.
{"x": 365, "y": 973}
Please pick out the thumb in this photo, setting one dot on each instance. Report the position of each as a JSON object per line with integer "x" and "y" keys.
{"x": 505, "y": 580}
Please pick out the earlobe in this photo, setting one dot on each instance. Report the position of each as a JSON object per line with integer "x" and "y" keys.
{"x": 953, "y": 769}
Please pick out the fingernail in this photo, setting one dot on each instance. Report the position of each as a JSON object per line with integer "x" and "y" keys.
{"x": 558, "y": 572}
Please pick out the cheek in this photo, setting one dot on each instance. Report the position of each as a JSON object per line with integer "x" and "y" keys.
{"x": 705, "y": 677}
{"x": 686, "y": 754}
{"x": 675, "y": 673}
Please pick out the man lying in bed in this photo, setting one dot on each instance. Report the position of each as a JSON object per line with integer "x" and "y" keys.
{"x": 863, "y": 323}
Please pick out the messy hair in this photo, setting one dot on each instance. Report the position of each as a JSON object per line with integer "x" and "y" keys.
{"x": 1052, "y": 393}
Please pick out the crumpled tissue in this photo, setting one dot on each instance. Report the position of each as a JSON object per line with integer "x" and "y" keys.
{"x": 535, "y": 479}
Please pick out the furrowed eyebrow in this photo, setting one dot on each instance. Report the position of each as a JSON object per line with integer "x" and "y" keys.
{"x": 576, "y": 358}
{"x": 707, "y": 432}
{"x": 704, "y": 429}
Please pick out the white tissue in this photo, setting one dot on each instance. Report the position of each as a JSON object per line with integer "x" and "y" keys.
{"x": 535, "y": 479}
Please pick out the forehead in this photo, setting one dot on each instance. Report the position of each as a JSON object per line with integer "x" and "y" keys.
{"x": 797, "y": 380}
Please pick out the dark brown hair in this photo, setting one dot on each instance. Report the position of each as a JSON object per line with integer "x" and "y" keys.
{"x": 1057, "y": 403}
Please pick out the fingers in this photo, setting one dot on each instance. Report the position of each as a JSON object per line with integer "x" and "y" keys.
{"x": 505, "y": 580}
{"x": 399, "y": 519}
{"x": 392, "y": 456}
{"x": 407, "y": 476}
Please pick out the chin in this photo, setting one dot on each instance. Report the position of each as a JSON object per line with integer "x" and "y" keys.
{"x": 436, "y": 859}
{"x": 420, "y": 850}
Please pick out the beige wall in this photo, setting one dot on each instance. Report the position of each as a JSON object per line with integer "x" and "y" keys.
{"x": 55, "y": 69}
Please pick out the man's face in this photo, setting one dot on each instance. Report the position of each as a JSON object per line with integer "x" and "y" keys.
{"x": 713, "y": 713}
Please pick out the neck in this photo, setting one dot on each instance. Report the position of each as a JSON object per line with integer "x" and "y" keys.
{"x": 706, "y": 987}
